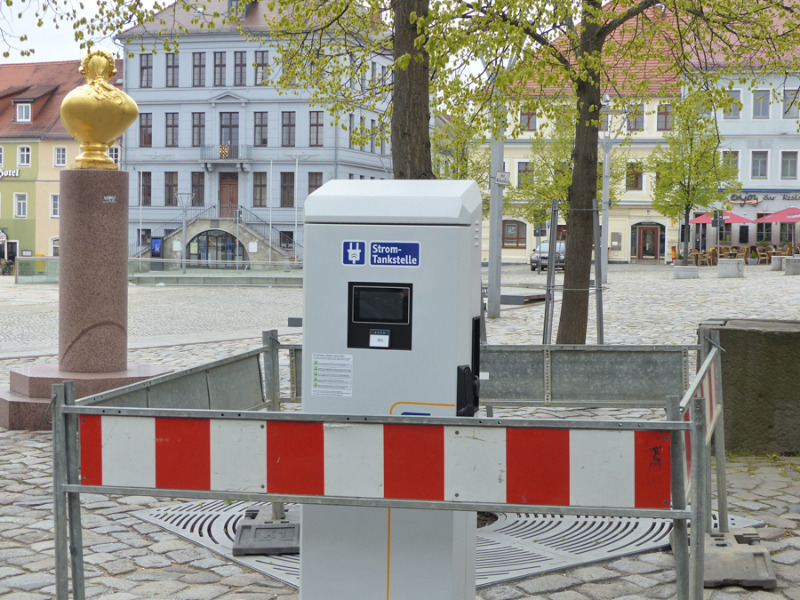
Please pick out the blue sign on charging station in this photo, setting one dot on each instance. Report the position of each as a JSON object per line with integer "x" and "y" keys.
{"x": 381, "y": 254}
{"x": 394, "y": 254}
{"x": 354, "y": 253}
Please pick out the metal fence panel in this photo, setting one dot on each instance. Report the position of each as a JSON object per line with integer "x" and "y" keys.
{"x": 236, "y": 386}
{"x": 515, "y": 373}
{"x": 190, "y": 391}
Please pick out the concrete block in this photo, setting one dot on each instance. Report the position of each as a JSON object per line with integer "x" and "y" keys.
{"x": 730, "y": 267}
{"x": 737, "y": 559}
{"x": 687, "y": 272}
{"x": 792, "y": 265}
{"x": 760, "y": 384}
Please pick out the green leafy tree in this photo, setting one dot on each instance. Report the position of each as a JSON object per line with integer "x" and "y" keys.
{"x": 691, "y": 172}
{"x": 458, "y": 154}
{"x": 564, "y": 49}
{"x": 549, "y": 170}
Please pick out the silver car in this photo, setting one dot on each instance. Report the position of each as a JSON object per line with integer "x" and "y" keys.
{"x": 539, "y": 257}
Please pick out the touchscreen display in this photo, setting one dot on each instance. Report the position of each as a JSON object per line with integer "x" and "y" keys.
{"x": 377, "y": 304}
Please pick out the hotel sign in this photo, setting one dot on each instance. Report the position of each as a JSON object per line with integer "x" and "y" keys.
{"x": 14, "y": 173}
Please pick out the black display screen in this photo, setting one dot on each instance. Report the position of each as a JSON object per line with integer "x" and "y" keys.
{"x": 381, "y": 304}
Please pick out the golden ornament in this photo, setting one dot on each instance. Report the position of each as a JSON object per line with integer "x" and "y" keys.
{"x": 97, "y": 113}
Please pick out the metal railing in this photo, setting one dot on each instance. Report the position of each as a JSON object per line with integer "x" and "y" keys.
{"x": 269, "y": 232}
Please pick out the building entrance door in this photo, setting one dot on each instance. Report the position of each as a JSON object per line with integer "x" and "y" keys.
{"x": 648, "y": 243}
{"x": 228, "y": 194}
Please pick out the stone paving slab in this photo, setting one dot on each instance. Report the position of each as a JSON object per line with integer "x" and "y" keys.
{"x": 183, "y": 327}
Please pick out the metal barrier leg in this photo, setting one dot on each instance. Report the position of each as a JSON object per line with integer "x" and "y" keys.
{"x": 680, "y": 527}
{"x": 59, "y": 497}
{"x": 272, "y": 376}
{"x": 698, "y": 500}
{"x": 272, "y": 389}
{"x": 74, "y": 498}
{"x": 722, "y": 479}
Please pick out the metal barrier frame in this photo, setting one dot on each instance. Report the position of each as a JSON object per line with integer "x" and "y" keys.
{"x": 698, "y": 414}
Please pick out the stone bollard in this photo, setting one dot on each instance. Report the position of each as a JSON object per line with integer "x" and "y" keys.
{"x": 792, "y": 265}
{"x": 777, "y": 263}
{"x": 730, "y": 267}
{"x": 687, "y": 272}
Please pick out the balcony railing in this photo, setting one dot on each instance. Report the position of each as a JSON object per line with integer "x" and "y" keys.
{"x": 227, "y": 152}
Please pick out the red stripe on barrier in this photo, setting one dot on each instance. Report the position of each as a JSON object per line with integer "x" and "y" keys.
{"x": 295, "y": 458}
{"x": 538, "y": 466}
{"x": 183, "y": 454}
{"x": 653, "y": 468}
{"x": 413, "y": 461}
{"x": 91, "y": 450}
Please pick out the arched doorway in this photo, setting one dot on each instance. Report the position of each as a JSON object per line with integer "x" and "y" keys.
{"x": 217, "y": 249}
{"x": 647, "y": 241}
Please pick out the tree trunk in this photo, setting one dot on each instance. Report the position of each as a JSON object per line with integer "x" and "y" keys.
{"x": 572, "y": 323}
{"x": 686, "y": 231}
{"x": 411, "y": 142}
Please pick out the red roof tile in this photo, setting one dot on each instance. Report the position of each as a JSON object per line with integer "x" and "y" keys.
{"x": 42, "y": 85}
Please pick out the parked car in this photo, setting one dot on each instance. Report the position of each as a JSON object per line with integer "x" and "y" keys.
{"x": 542, "y": 252}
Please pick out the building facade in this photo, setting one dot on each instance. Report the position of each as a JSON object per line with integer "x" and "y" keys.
{"x": 218, "y": 139}
{"x": 761, "y": 137}
{"x": 34, "y": 148}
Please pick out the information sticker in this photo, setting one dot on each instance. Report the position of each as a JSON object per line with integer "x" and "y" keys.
{"x": 332, "y": 375}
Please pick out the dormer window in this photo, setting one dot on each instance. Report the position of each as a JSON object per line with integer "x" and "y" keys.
{"x": 23, "y": 113}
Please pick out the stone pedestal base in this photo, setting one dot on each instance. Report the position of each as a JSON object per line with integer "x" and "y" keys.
{"x": 24, "y": 403}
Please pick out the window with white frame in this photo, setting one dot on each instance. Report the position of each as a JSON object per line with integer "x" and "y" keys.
{"x": 791, "y": 98}
{"x": 55, "y": 247}
{"x": 23, "y": 113}
{"x": 55, "y": 206}
{"x": 733, "y": 111}
{"x": 23, "y": 156}
{"x": 761, "y": 104}
{"x": 113, "y": 152}
{"x": 789, "y": 164}
{"x": 758, "y": 164}
{"x": 731, "y": 158}
{"x": 59, "y": 156}
{"x": 20, "y": 206}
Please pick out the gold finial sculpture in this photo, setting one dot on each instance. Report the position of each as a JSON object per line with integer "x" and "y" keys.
{"x": 97, "y": 113}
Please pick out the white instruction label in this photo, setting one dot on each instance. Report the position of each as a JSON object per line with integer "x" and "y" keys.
{"x": 332, "y": 375}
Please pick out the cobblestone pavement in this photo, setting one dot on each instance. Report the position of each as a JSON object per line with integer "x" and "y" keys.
{"x": 127, "y": 559}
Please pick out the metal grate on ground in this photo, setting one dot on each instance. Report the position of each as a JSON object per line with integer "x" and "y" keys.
{"x": 516, "y": 546}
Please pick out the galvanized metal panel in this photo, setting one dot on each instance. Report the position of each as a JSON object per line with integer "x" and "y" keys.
{"x": 133, "y": 399}
{"x": 236, "y": 385}
{"x": 646, "y": 377}
{"x": 515, "y": 372}
{"x": 189, "y": 391}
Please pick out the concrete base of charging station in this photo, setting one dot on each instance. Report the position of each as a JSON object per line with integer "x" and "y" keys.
{"x": 737, "y": 558}
{"x": 258, "y": 533}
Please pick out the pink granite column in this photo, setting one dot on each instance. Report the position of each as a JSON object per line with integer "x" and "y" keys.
{"x": 93, "y": 271}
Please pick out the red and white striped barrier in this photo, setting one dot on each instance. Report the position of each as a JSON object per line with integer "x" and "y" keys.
{"x": 428, "y": 462}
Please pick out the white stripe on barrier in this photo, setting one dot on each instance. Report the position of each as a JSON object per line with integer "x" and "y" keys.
{"x": 353, "y": 460}
{"x": 602, "y": 468}
{"x": 238, "y": 456}
{"x": 475, "y": 464}
{"x": 129, "y": 451}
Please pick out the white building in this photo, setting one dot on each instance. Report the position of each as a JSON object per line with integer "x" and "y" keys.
{"x": 214, "y": 132}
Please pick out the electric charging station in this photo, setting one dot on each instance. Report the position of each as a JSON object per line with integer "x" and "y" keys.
{"x": 392, "y": 301}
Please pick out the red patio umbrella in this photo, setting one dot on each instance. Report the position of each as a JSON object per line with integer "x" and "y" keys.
{"x": 787, "y": 215}
{"x": 727, "y": 216}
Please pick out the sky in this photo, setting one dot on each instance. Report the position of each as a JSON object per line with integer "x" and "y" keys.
{"x": 51, "y": 44}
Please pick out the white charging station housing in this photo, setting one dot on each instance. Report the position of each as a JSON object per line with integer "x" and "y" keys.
{"x": 392, "y": 301}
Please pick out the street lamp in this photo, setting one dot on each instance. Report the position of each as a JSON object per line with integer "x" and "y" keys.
{"x": 185, "y": 199}
{"x": 607, "y": 144}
